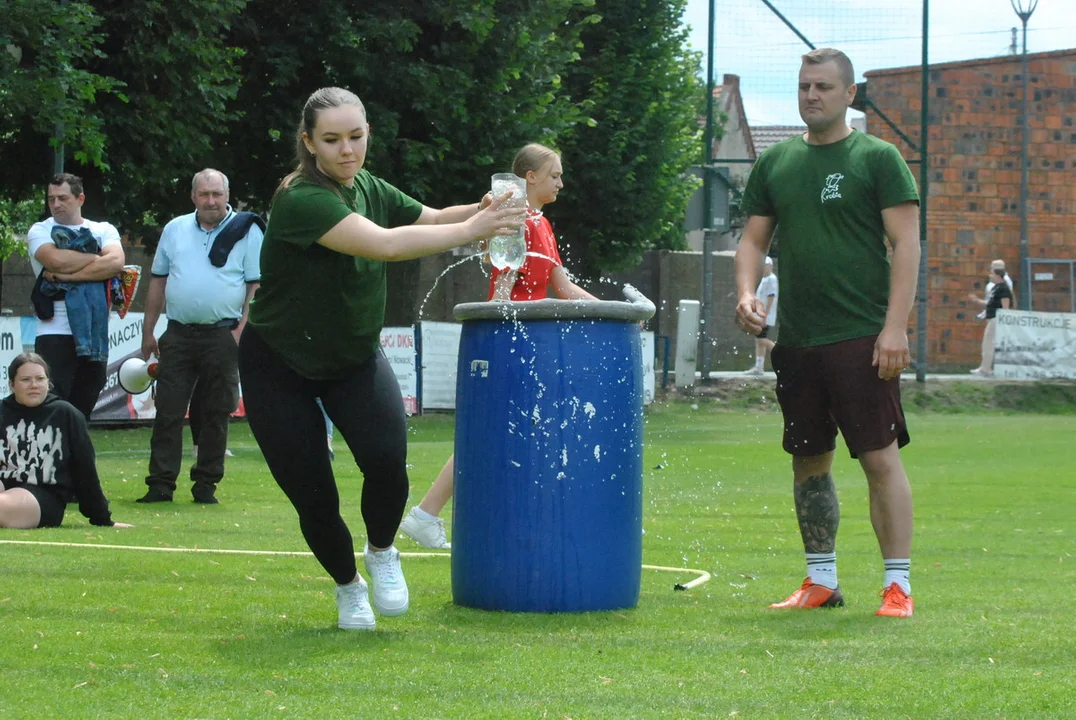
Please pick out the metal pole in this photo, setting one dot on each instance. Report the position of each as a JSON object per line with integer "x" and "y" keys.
{"x": 1025, "y": 299}
{"x": 924, "y": 193}
{"x": 707, "y": 209}
{"x": 58, "y": 150}
{"x": 1025, "y": 129}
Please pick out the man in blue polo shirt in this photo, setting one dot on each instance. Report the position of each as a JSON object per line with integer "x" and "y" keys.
{"x": 206, "y": 282}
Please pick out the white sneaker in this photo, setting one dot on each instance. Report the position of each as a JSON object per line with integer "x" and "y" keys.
{"x": 353, "y": 606}
{"x": 427, "y": 533}
{"x": 194, "y": 452}
{"x": 390, "y": 589}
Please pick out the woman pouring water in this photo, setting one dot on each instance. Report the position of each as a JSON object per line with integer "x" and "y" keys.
{"x": 314, "y": 333}
{"x": 541, "y": 270}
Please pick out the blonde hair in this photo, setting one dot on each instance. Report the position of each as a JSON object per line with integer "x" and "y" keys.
{"x": 825, "y": 55}
{"x": 306, "y": 162}
{"x": 533, "y": 156}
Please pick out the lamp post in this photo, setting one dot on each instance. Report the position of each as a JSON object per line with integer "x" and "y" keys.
{"x": 1024, "y": 13}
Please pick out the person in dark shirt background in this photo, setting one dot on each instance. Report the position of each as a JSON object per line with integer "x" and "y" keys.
{"x": 1000, "y": 299}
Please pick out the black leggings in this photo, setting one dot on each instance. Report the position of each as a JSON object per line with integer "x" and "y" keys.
{"x": 367, "y": 408}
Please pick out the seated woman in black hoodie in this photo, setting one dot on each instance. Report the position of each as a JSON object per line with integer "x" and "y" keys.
{"x": 46, "y": 458}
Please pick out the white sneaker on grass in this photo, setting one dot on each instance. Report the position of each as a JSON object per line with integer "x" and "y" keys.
{"x": 194, "y": 452}
{"x": 353, "y": 605}
{"x": 389, "y": 596}
{"x": 427, "y": 533}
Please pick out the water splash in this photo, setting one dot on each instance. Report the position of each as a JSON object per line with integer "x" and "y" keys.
{"x": 422, "y": 306}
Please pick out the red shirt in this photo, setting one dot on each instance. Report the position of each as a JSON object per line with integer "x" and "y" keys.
{"x": 533, "y": 276}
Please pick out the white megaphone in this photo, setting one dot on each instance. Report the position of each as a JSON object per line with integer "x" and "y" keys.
{"x": 136, "y": 375}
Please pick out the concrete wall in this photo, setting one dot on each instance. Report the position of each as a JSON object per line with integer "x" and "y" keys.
{"x": 427, "y": 290}
{"x": 664, "y": 277}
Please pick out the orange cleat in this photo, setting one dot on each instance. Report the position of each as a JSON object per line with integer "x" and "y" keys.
{"x": 895, "y": 603}
{"x": 811, "y": 595}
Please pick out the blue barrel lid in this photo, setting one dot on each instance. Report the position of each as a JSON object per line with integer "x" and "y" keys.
{"x": 637, "y": 307}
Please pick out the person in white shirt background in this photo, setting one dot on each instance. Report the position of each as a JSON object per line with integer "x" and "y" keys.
{"x": 767, "y": 293}
{"x": 78, "y": 364}
{"x": 989, "y": 291}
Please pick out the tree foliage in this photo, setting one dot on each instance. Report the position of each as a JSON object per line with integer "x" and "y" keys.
{"x": 149, "y": 92}
{"x": 451, "y": 89}
{"x": 626, "y": 173}
{"x": 48, "y": 90}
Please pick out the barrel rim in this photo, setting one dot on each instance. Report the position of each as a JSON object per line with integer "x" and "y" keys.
{"x": 640, "y": 308}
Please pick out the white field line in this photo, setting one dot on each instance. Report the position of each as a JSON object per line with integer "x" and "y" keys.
{"x": 701, "y": 575}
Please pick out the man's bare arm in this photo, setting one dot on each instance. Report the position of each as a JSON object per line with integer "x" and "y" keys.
{"x": 100, "y": 267}
{"x": 891, "y": 353}
{"x": 750, "y": 255}
{"x": 56, "y": 260}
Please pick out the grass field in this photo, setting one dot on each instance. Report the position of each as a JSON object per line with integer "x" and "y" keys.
{"x": 115, "y": 633}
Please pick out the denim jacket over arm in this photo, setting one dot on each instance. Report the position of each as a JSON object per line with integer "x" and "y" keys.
{"x": 87, "y": 302}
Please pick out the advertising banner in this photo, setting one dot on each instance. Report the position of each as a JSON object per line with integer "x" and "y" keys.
{"x": 1035, "y": 345}
{"x": 125, "y": 341}
{"x": 398, "y": 344}
{"x": 10, "y": 346}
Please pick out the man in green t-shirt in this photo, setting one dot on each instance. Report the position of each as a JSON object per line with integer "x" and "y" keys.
{"x": 837, "y": 195}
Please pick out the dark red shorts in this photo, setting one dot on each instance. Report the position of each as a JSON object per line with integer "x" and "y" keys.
{"x": 834, "y": 387}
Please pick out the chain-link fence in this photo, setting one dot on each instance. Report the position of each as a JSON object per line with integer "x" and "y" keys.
{"x": 970, "y": 98}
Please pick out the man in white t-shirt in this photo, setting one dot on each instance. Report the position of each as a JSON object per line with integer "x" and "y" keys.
{"x": 77, "y": 358}
{"x": 767, "y": 293}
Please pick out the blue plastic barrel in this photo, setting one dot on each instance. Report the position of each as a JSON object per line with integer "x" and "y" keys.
{"x": 547, "y": 515}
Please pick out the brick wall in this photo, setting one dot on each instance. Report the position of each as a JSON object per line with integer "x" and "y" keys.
{"x": 974, "y": 159}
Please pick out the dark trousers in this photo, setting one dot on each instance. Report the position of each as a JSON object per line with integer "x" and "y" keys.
{"x": 194, "y": 413}
{"x": 78, "y": 380}
{"x": 367, "y": 409}
{"x": 191, "y": 354}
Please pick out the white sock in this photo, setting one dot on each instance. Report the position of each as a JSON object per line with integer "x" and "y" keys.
{"x": 897, "y": 571}
{"x": 760, "y": 362}
{"x": 822, "y": 569}
{"x": 422, "y": 514}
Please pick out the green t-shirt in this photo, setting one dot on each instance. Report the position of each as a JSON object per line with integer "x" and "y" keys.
{"x": 827, "y": 200}
{"x": 320, "y": 309}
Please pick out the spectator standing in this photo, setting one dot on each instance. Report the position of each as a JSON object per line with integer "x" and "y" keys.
{"x": 205, "y": 270}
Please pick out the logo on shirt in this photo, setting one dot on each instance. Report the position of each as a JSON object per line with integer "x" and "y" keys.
{"x": 832, "y": 190}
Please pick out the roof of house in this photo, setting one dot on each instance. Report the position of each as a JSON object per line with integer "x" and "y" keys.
{"x": 728, "y": 99}
{"x": 767, "y": 135}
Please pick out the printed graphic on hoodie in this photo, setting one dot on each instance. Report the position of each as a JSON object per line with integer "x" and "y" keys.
{"x": 30, "y": 455}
